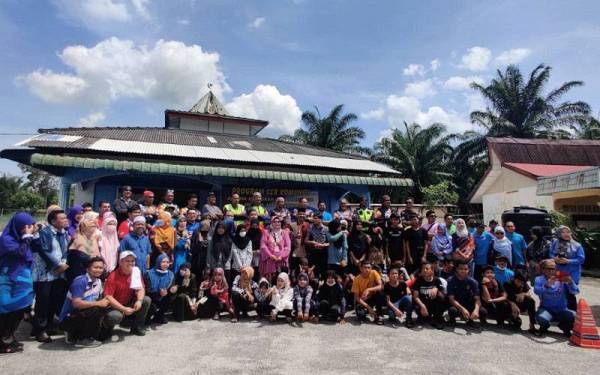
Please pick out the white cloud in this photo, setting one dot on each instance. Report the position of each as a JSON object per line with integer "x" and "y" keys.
{"x": 183, "y": 21}
{"x": 459, "y": 83}
{"x": 476, "y": 59}
{"x": 512, "y": 56}
{"x": 258, "y": 22}
{"x": 475, "y": 102}
{"x": 267, "y": 103}
{"x": 92, "y": 119}
{"x": 414, "y": 69}
{"x": 376, "y": 114}
{"x": 95, "y": 14}
{"x": 140, "y": 7}
{"x": 434, "y": 64}
{"x": 170, "y": 72}
{"x": 420, "y": 89}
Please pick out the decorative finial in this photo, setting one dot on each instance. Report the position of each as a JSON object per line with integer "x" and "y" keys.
{"x": 210, "y": 85}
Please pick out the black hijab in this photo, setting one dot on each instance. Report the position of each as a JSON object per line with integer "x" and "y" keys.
{"x": 239, "y": 241}
{"x": 221, "y": 243}
{"x": 254, "y": 234}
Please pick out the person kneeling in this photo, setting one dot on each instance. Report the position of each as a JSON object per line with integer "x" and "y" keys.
{"x": 495, "y": 300}
{"x": 331, "y": 299}
{"x": 243, "y": 293}
{"x": 552, "y": 292}
{"x": 428, "y": 297}
{"x": 367, "y": 288}
{"x": 125, "y": 292}
{"x": 304, "y": 306}
{"x": 83, "y": 309}
{"x": 463, "y": 295}
{"x": 158, "y": 281}
{"x": 398, "y": 299}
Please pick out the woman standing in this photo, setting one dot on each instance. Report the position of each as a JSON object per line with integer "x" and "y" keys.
{"x": 16, "y": 285}
{"x": 109, "y": 243}
{"x": 219, "y": 248}
{"x": 255, "y": 233}
{"x": 241, "y": 251}
{"x": 274, "y": 249}
{"x": 75, "y": 215}
{"x": 85, "y": 246}
{"x": 164, "y": 235}
{"x": 500, "y": 245}
{"x": 569, "y": 257}
{"x": 463, "y": 245}
{"x": 537, "y": 250}
{"x": 182, "y": 244}
{"x": 358, "y": 244}
{"x": 337, "y": 253}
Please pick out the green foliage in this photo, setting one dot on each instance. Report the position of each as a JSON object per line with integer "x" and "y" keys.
{"x": 589, "y": 239}
{"x": 333, "y": 131}
{"x": 42, "y": 183}
{"x": 439, "y": 194}
{"x": 26, "y": 200}
{"x": 9, "y": 185}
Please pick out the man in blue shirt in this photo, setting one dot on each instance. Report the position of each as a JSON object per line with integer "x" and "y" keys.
{"x": 518, "y": 246}
{"x": 326, "y": 217}
{"x": 552, "y": 291}
{"x": 83, "y": 309}
{"x": 138, "y": 243}
{"x": 463, "y": 295}
{"x": 482, "y": 239}
{"x": 501, "y": 271}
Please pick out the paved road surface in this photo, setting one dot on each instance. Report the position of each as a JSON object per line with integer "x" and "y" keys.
{"x": 219, "y": 347}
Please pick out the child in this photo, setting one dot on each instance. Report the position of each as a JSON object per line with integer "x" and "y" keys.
{"x": 331, "y": 299}
{"x": 501, "y": 271}
{"x": 263, "y": 298}
{"x": 494, "y": 299}
{"x": 398, "y": 299}
{"x": 303, "y": 302}
{"x": 219, "y": 294}
{"x": 282, "y": 296}
{"x": 159, "y": 280}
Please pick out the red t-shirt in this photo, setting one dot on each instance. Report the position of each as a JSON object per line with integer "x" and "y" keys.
{"x": 117, "y": 286}
{"x": 124, "y": 228}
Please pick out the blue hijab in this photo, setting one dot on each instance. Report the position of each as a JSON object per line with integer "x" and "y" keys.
{"x": 159, "y": 279}
{"x": 10, "y": 243}
{"x": 73, "y": 223}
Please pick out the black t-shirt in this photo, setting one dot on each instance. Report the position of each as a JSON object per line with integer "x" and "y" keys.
{"x": 395, "y": 292}
{"x": 394, "y": 241}
{"x": 494, "y": 289}
{"x": 416, "y": 242}
{"x": 464, "y": 291}
{"x": 423, "y": 286}
{"x": 512, "y": 290}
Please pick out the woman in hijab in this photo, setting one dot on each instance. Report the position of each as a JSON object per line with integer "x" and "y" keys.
{"x": 569, "y": 257}
{"x": 109, "y": 243}
{"x": 282, "y": 297}
{"x": 182, "y": 244}
{"x": 241, "y": 251}
{"x": 441, "y": 243}
{"x": 219, "y": 248}
{"x": 164, "y": 234}
{"x": 218, "y": 294}
{"x": 199, "y": 248}
{"x": 185, "y": 291}
{"x": 337, "y": 253}
{"x": 537, "y": 250}
{"x": 75, "y": 215}
{"x": 16, "y": 285}
{"x": 255, "y": 233}
{"x": 500, "y": 245}
{"x": 84, "y": 247}
{"x": 158, "y": 282}
{"x": 463, "y": 244}
{"x": 275, "y": 249}
{"x": 358, "y": 245}
{"x": 242, "y": 292}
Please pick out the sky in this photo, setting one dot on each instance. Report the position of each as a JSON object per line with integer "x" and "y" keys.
{"x": 123, "y": 62}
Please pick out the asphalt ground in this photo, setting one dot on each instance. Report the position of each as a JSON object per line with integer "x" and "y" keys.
{"x": 259, "y": 347}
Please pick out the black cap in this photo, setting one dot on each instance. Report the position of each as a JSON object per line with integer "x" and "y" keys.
{"x": 125, "y": 188}
{"x": 212, "y": 194}
{"x": 502, "y": 257}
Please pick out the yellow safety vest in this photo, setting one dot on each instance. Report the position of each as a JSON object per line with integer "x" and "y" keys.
{"x": 239, "y": 211}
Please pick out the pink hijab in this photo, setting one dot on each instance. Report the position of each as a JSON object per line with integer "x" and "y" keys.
{"x": 109, "y": 246}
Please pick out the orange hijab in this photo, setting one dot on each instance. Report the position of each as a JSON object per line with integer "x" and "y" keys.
{"x": 165, "y": 233}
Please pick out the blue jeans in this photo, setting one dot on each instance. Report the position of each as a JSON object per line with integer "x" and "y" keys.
{"x": 403, "y": 304}
{"x": 564, "y": 318}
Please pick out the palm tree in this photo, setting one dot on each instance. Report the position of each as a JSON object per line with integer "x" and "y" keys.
{"x": 520, "y": 109}
{"x": 421, "y": 154}
{"x": 333, "y": 131}
{"x": 587, "y": 129}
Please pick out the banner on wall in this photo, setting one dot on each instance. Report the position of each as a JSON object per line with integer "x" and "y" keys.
{"x": 269, "y": 194}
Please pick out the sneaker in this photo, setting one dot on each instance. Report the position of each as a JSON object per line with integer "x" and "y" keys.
{"x": 138, "y": 331}
{"x": 216, "y": 317}
{"x": 473, "y": 324}
{"x": 87, "y": 343}
{"x": 438, "y": 324}
{"x": 409, "y": 323}
{"x": 43, "y": 338}
{"x": 69, "y": 340}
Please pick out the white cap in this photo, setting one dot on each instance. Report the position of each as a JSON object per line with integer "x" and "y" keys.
{"x": 125, "y": 254}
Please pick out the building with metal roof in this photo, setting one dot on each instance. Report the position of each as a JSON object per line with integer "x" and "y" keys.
{"x": 516, "y": 165}
{"x": 197, "y": 151}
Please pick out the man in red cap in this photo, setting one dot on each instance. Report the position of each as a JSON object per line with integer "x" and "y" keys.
{"x": 149, "y": 209}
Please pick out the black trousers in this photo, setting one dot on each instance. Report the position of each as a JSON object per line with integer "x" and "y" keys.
{"x": 84, "y": 324}
{"x": 318, "y": 258}
{"x": 263, "y": 308}
{"x": 528, "y": 305}
{"x": 329, "y": 311}
{"x": 571, "y": 301}
{"x": 375, "y": 301}
{"x": 181, "y": 308}
{"x": 159, "y": 306}
{"x": 435, "y": 308}
{"x": 499, "y": 311}
{"x": 453, "y": 312}
{"x": 9, "y": 322}
{"x": 240, "y": 304}
{"x": 49, "y": 299}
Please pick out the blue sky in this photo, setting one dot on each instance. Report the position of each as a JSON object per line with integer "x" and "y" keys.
{"x": 122, "y": 62}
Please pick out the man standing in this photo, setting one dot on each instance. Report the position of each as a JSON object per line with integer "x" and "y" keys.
{"x": 317, "y": 240}
{"x": 123, "y": 203}
{"x": 299, "y": 235}
{"x": 191, "y": 204}
{"x": 518, "y": 246}
{"x": 169, "y": 201}
{"x": 431, "y": 227}
{"x": 326, "y": 216}
{"x": 49, "y": 266}
{"x": 281, "y": 211}
{"x": 138, "y": 243}
{"x": 192, "y": 221}
{"x": 364, "y": 214}
{"x": 239, "y": 211}
{"x": 210, "y": 211}
{"x": 127, "y": 225}
{"x": 103, "y": 207}
{"x": 382, "y": 214}
{"x": 463, "y": 295}
{"x": 125, "y": 292}
{"x": 393, "y": 236}
{"x": 408, "y": 212}
{"x": 414, "y": 238}
{"x": 303, "y": 205}
{"x": 149, "y": 210}
{"x": 482, "y": 239}
{"x": 263, "y": 215}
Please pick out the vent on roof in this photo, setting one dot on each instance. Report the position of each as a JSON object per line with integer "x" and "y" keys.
{"x": 211, "y": 140}
{"x": 245, "y": 144}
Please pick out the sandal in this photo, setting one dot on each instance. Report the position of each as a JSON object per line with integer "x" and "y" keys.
{"x": 10, "y": 349}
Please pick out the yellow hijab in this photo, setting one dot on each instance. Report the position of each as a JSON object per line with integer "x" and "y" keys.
{"x": 166, "y": 232}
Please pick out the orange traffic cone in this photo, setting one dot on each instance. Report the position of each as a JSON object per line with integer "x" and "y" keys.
{"x": 585, "y": 332}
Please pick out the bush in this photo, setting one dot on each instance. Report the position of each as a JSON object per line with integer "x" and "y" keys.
{"x": 26, "y": 200}
{"x": 439, "y": 194}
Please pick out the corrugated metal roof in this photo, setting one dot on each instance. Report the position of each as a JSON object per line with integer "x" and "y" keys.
{"x": 203, "y": 170}
{"x": 546, "y": 151}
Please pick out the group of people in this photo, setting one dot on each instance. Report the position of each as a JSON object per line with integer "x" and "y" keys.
{"x": 134, "y": 263}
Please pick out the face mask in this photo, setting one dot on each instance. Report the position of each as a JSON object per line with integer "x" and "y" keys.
{"x": 242, "y": 234}
{"x": 330, "y": 282}
{"x": 501, "y": 268}
{"x": 182, "y": 273}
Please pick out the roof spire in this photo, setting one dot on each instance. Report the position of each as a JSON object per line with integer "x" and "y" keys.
{"x": 209, "y": 104}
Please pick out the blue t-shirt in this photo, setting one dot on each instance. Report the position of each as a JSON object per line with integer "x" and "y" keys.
{"x": 82, "y": 287}
{"x": 464, "y": 291}
{"x": 482, "y": 246}
{"x": 518, "y": 248}
{"x": 140, "y": 245}
{"x": 553, "y": 299}
{"x": 503, "y": 276}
